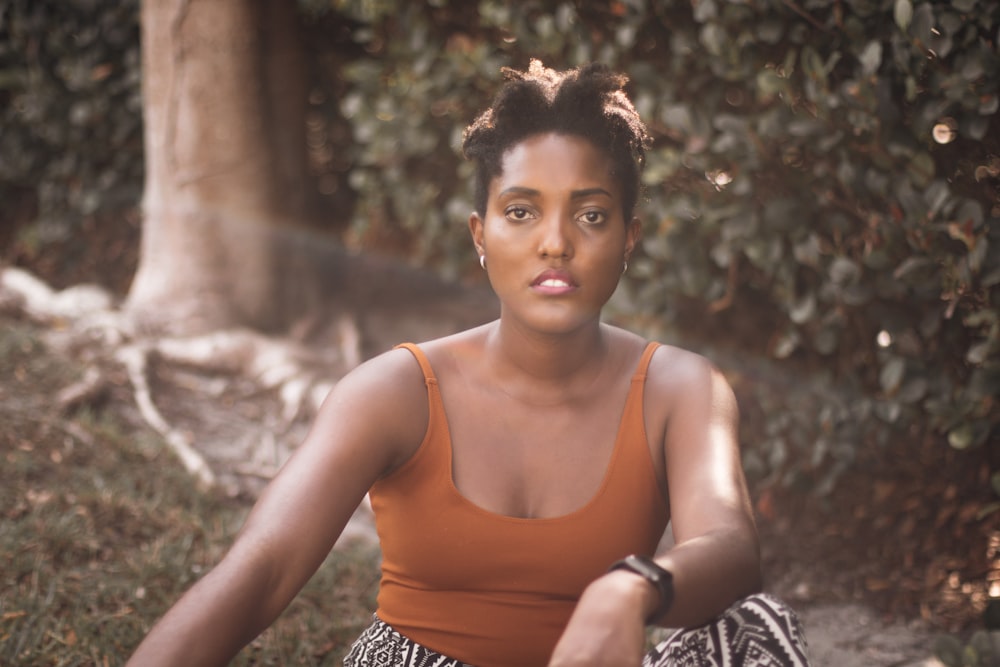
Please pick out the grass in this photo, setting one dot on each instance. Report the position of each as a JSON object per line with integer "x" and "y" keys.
{"x": 101, "y": 530}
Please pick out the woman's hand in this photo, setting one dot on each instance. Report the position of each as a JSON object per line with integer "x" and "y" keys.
{"x": 608, "y": 625}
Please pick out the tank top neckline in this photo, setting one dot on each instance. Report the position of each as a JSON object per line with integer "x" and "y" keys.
{"x": 633, "y": 401}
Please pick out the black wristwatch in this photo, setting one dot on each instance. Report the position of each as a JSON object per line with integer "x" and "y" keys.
{"x": 654, "y": 574}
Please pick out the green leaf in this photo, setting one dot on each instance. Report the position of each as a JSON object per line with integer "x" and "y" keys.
{"x": 844, "y": 271}
{"x": 921, "y": 169}
{"x": 902, "y": 13}
{"x": 981, "y": 318}
{"x": 856, "y": 294}
{"x": 705, "y": 10}
{"x": 678, "y": 116}
{"x": 769, "y": 83}
{"x": 826, "y": 339}
{"x": 980, "y": 352}
{"x": 888, "y": 411}
{"x": 977, "y": 254}
{"x": 763, "y": 253}
{"x": 987, "y": 509}
{"x": 983, "y": 647}
{"x": 803, "y": 309}
{"x": 713, "y": 38}
{"x": 961, "y": 437}
{"x": 807, "y": 251}
{"x": 974, "y": 127}
{"x": 936, "y": 196}
{"x": 806, "y": 127}
{"x": 948, "y": 650}
{"x": 891, "y": 375}
{"x": 871, "y": 57}
{"x": 972, "y": 68}
{"x": 970, "y": 210}
{"x": 770, "y": 31}
{"x": 625, "y": 36}
{"x": 812, "y": 64}
{"x": 785, "y": 345}
{"x": 913, "y": 391}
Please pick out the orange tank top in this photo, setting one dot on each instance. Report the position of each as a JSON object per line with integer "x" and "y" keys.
{"x": 497, "y": 591}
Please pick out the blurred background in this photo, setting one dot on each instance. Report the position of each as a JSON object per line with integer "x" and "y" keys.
{"x": 821, "y": 216}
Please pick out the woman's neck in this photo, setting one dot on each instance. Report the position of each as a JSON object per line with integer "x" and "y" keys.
{"x": 542, "y": 362}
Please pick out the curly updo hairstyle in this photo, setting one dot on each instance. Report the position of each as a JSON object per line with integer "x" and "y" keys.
{"x": 587, "y": 102}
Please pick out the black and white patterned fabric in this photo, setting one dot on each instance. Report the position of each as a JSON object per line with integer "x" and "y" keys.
{"x": 758, "y": 631}
{"x": 381, "y": 646}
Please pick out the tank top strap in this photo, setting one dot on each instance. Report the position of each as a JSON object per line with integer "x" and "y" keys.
{"x": 633, "y": 422}
{"x": 647, "y": 356}
{"x": 425, "y": 364}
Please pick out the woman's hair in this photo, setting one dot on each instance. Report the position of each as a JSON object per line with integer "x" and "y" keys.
{"x": 588, "y": 102}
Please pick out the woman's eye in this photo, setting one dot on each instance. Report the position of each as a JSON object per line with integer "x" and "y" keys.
{"x": 592, "y": 217}
{"x": 518, "y": 213}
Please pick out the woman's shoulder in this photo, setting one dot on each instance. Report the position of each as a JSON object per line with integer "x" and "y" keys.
{"x": 677, "y": 371}
{"x": 669, "y": 363}
{"x": 399, "y": 376}
{"x": 672, "y": 359}
{"x": 395, "y": 368}
{"x": 389, "y": 389}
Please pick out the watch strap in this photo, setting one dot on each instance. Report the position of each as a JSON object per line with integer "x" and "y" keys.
{"x": 658, "y": 576}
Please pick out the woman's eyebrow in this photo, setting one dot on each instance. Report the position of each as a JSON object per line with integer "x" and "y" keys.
{"x": 519, "y": 190}
{"x": 579, "y": 194}
{"x": 575, "y": 194}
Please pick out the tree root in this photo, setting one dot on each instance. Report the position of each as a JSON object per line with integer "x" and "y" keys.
{"x": 134, "y": 358}
{"x": 85, "y": 322}
{"x": 91, "y": 390}
{"x": 273, "y": 364}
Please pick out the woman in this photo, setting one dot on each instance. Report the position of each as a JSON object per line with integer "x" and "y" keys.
{"x": 521, "y": 472}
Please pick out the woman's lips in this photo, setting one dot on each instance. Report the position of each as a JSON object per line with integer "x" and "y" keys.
{"x": 553, "y": 282}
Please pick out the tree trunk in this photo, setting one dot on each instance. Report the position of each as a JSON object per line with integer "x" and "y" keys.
{"x": 224, "y": 95}
{"x": 229, "y": 236}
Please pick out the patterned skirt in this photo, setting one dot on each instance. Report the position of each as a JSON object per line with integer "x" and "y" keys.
{"x": 758, "y": 631}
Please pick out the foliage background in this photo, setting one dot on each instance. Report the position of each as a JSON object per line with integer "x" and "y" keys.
{"x": 800, "y": 209}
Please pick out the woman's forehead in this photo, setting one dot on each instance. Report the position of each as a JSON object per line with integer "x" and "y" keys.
{"x": 555, "y": 161}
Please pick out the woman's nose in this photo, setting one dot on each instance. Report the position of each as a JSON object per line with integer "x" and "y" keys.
{"x": 555, "y": 236}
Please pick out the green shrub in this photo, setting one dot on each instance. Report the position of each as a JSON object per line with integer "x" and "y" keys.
{"x": 822, "y": 191}
{"x": 982, "y": 650}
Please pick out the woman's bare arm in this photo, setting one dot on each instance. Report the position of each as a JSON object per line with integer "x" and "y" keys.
{"x": 370, "y": 423}
{"x": 716, "y": 559}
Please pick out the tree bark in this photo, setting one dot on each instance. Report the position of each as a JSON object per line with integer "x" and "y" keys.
{"x": 229, "y": 234}
{"x": 224, "y": 99}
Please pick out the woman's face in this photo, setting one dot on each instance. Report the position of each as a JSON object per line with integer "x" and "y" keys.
{"x": 553, "y": 233}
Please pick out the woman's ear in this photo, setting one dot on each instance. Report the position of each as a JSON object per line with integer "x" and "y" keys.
{"x": 476, "y": 230}
{"x": 633, "y": 233}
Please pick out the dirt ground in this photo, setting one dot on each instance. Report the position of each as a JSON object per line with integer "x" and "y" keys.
{"x": 905, "y": 548}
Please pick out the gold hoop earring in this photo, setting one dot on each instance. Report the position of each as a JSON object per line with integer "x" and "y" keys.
{"x": 482, "y": 261}
{"x": 624, "y": 267}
